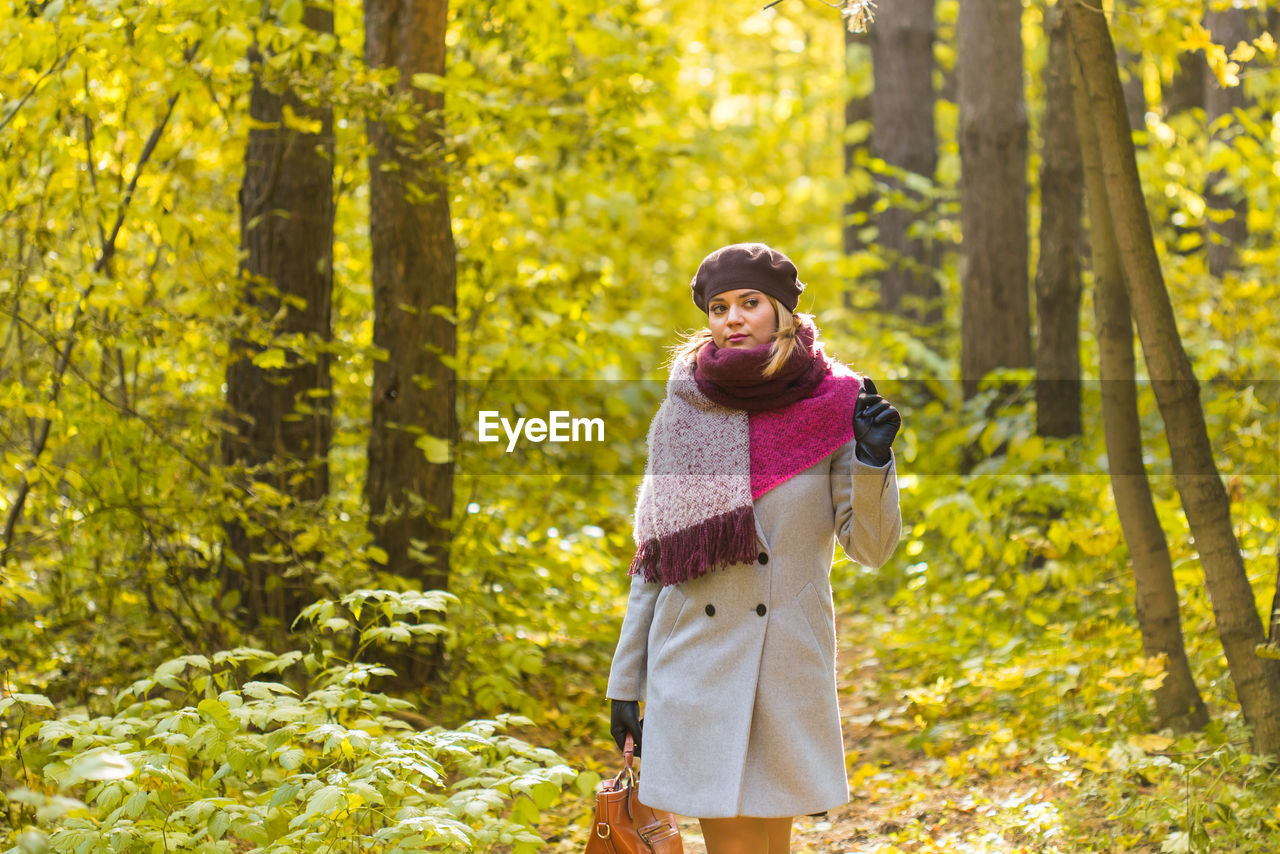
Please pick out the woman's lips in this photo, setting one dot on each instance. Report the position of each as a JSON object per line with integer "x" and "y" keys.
{"x": 733, "y": 339}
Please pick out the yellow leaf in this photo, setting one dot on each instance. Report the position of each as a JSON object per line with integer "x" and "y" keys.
{"x": 272, "y": 357}
{"x": 293, "y": 121}
{"x": 1266, "y": 44}
{"x": 1244, "y": 52}
{"x": 1153, "y": 683}
{"x": 1150, "y": 742}
{"x": 306, "y": 539}
{"x": 862, "y": 774}
{"x": 1228, "y": 74}
{"x": 1094, "y": 756}
{"x": 436, "y": 449}
{"x": 1196, "y": 37}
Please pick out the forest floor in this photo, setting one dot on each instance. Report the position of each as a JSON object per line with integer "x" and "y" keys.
{"x": 903, "y": 799}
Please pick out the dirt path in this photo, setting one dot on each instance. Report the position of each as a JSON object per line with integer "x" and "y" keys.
{"x": 904, "y": 800}
{"x": 907, "y": 795}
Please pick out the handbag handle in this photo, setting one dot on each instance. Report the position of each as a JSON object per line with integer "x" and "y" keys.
{"x": 628, "y": 754}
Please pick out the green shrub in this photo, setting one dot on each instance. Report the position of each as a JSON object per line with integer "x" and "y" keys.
{"x": 210, "y": 754}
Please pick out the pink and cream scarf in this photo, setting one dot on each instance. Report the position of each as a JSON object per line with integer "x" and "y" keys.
{"x": 723, "y": 437}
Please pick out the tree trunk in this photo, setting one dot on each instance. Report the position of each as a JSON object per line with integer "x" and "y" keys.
{"x": 1186, "y": 90}
{"x": 279, "y": 423}
{"x": 1227, "y": 208}
{"x": 857, "y": 116}
{"x": 1273, "y": 631}
{"x": 1135, "y": 99}
{"x": 1204, "y": 500}
{"x": 1178, "y": 701}
{"x": 1058, "y": 272}
{"x": 903, "y": 136}
{"x": 995, "y": 326}
{"x": 414, "y": 279}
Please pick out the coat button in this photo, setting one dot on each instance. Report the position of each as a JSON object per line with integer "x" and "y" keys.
{"x": 762, "y": 557}
{"x": 711, "y": 610}
{"x": 761, "y": 609}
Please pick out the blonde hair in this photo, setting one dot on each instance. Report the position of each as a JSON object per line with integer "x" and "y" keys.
{"x": 784, "y": 340}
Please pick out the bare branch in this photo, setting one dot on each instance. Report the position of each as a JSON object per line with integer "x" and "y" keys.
{"x": 57, "y": 66}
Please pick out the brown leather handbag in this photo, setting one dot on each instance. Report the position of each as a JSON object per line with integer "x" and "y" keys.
{"x": 623, "y": 825}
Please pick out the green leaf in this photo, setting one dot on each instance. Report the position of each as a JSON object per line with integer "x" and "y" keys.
{"x": 324, "y": 801}
{"x": 290, "y": 12}
{"x": 587, "y": 782}
{"x": 33, "y": 841}
{"x": 165, "y": 674}
{"x": 283, "y": 795}
{"x": 544, "y": 794}
{"x": 100, "y": 765}
{"x": 292, "y": 759}
{"x": 217, "y": 712}
{"x": 219, "y": 823}
{"x": 136, "y": 803}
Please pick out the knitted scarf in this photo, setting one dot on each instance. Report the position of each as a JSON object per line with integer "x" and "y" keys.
{"x": 718, "y": 443}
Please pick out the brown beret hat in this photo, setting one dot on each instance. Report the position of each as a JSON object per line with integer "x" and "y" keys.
{"x": 747, "y": 265}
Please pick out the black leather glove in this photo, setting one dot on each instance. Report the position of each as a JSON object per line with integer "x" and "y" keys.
{"x": 875, "y": 423}
{"x": 624, "y": 717}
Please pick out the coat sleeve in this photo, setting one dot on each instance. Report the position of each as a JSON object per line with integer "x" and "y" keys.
{"x": 631, "y": 657}
{"x": 865, "y": 497}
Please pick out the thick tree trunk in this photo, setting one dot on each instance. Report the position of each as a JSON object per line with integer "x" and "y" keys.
{"x": 414, "y": 280}
{"x": 1058, "y": 271}
{"x": 279, "y": 423}
{"x": 1204, "y": 500}
{"x": 1227, "y": 207}
{"x": 1178, "y": 701}
{"x": 857, "y": 116}
{"x": 995, "y": 329}
{"x": 903, "y": 137}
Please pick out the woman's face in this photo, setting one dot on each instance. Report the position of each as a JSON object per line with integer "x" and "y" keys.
{"x": 741, "y": 319}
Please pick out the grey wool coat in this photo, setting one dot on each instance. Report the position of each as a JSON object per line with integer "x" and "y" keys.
{"x": 737, "y": 667}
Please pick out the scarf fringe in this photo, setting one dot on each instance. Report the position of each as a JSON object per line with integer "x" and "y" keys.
{"x": 691, "y": 552}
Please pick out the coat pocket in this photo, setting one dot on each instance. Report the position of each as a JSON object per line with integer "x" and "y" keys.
{"x": 817, "y": 613}
{"x": 670, "y": 608}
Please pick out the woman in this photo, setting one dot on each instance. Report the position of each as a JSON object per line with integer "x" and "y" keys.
{"x": 764, "y": 452}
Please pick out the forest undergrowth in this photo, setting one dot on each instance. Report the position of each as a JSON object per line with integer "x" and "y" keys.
{"x": 1025, "y": 749}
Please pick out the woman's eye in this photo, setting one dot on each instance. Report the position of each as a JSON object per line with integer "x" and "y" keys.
{"x": 751, "y": 303}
